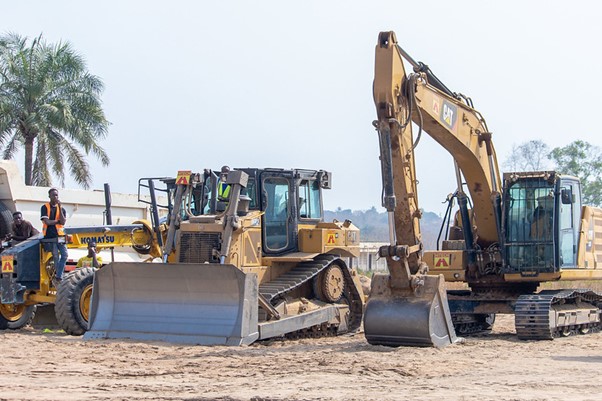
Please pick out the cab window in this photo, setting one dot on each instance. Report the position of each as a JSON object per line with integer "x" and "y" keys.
{"x": 309, "y": 200}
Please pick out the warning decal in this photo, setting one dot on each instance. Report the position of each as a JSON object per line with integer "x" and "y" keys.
{"x": 183, "y": 177}
{"x": 442, "y": 259}
{"x": 331, "y": 239}
{"x": 7, "y": 264}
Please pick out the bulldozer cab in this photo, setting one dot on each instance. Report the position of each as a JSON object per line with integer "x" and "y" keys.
{"x": 542, "y": 217}
{"x": 287, "y": 200}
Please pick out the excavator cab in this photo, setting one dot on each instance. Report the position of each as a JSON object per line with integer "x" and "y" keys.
{"x": 542, "y": 216}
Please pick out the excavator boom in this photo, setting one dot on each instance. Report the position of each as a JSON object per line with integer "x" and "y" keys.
{"x": 406, "y": 306}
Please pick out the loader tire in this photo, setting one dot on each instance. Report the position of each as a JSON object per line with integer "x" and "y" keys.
{"x": 72, "y": 306}
{"x": 14, "y": 317}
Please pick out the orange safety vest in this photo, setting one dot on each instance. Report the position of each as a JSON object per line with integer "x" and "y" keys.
{"x": 59, "y": 227}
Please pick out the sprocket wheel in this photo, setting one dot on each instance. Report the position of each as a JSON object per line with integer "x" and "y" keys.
{"x": 329, "y": 285}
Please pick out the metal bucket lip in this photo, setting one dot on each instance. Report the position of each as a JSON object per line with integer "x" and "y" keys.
{"x": 402, "y": 318}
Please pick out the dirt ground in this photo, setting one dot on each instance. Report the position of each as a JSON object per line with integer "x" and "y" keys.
{"x": 39, "y": 365}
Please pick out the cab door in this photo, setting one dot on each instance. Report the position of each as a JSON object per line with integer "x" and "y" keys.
{"x": 279, "y": 225}
{"x": 569, "y": 210}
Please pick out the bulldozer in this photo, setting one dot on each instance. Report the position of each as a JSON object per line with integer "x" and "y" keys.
{"x": 27, "y": 292}
{"x": 257, "y": 264}
{"x": 513, "y": 233}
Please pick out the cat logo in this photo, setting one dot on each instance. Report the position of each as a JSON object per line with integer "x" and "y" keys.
{"x": 449, "y": 115}
{"x": 442, "y": 259}
{"x": 8, "y": 264}
{"x": 183, "y": 177}
{"x": 331, "y": 239}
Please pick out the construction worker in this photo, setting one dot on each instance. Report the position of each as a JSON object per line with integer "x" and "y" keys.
{"x": 223, "y": 189}
{"x": 21, "y": 229}
{"x": 53, "y": 219}
{"x": 92, "y": 259}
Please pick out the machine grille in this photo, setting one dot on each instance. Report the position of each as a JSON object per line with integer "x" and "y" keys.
{"x": 199, "y": 247}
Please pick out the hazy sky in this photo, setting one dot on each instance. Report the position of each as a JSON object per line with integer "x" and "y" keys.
{"x": 191, "y": 85}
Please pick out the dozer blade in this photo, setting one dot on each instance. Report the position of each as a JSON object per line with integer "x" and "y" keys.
{"x": 402, "y": 317}
{"x": 208, "y": 304}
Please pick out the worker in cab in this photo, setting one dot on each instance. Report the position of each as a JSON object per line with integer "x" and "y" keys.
{"x": 91, "y": 259}
{"x": 223, "y": 189}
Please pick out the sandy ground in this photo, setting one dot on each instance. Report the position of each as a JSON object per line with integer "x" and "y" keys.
{"x": 38, "y": 365}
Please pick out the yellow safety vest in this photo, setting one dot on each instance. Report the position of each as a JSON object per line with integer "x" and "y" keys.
{"x": 59, "y": 227}
{"x": 223, "y": 191}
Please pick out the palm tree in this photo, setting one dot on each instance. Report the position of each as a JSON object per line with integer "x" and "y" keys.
{"x": 50, "y": 104}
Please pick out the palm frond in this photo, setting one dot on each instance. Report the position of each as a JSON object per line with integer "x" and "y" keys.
{"x": 11, "y": 147}
{"x": 49, "y": 98}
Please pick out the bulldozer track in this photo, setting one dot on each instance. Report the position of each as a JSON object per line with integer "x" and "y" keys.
{"x": 533, "y": 311}
{"x": 306, "y": 271}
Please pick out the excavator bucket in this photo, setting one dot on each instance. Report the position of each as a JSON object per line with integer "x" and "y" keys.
{"x": 395, "y": 317}
{"x": 207, "y": 304}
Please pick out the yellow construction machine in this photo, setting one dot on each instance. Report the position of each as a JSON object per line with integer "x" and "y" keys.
{"x": 515, "y": 232}
{"x": 26, "y": 287}
{"x": 250, "y": 262}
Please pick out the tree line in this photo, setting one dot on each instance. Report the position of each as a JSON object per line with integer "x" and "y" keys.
{"x": 579, "y": 158}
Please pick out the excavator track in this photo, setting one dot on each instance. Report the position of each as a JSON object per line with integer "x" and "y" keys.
{"x": 557, "y": 313}
{"x": 306, "y": 271}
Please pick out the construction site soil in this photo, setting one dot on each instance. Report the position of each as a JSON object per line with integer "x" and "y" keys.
{"x": 45, "y": 365}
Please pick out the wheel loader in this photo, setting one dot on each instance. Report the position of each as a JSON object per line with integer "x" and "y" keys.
{"x": 513, "y": 233}
{"x": 259, "y": 264}
{"x": 26, "y": 289}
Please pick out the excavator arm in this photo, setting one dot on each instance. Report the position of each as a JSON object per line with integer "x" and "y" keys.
{"x": 407, "y": 306}
{"x": 451, "y": 121}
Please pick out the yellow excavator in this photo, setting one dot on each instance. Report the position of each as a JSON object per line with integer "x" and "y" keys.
{"x": 247, "y": 257}
{"x": 514, "y": 232}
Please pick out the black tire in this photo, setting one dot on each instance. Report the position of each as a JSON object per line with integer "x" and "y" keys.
{"x": 6, "y": 220}
{"x": 17, "y": 317}
{"x": 73, "y": 301}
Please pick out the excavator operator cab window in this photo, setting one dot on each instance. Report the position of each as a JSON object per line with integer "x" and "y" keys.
{"x": 309, "y": 200}
{"x": 530, "y": 213}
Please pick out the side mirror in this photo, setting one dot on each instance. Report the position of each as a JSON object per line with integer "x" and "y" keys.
{"x": 325, "y": 179}
{"x": 566, "y": 196}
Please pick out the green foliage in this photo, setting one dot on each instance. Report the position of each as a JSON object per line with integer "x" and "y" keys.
{"x": 579, "y": 158}
{"x": 50, "y": 105}
{"x": 582, "y": 160}
{"x": 528, "y": 156}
